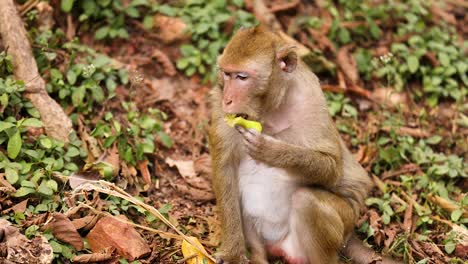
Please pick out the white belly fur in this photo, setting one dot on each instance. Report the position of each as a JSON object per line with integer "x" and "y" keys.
{"x": 266, "y": 198}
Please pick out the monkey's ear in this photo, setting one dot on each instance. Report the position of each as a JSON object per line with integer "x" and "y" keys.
{"x": 287, "y": 58}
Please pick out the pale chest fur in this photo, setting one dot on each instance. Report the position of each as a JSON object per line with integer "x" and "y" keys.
{"x": 266, "y": 196}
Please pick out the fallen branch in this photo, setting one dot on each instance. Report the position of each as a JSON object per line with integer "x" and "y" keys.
{"x": 14, "y": 37}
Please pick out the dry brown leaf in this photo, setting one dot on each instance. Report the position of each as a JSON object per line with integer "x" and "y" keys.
{"x": 186, "y": 168}
{"x": 347, "y": 63}
{"x": 143, "y": 168}
{"x": 64, "y": 230}
{"x": 170, "y": 29}
{"x": 166, "y": 63}
{"x": 390, "y": 233}
{"x": 77, "y": 179}
{"x": 375, "y": 222}
{"x": 86, "y": 222}
{"x": 19, "y": 207}
{"x": 389, "y": 97}
{"x": 196, "y": 194}
{"x": 107, "y": 254}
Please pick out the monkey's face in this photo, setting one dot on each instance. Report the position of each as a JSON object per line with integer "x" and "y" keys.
{"x": 252, "y": 70}
{"x": 241, "y": 92}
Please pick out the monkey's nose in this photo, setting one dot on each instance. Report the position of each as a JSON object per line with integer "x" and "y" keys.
{"x": 227, "y": 102}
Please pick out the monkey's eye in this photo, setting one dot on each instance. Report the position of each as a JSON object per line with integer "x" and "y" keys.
{"x": 226, "y": 76}
{"x": 242, "y": 76}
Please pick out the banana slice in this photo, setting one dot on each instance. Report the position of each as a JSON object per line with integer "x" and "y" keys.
{"x": 232, "y": 120}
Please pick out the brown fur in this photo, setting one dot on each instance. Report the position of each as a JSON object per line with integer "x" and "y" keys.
{"x": 330, "y": 185}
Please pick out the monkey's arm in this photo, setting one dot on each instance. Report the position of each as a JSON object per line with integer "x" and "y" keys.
{"x": 321, "y": 164}
{"x": 225, "y": 186}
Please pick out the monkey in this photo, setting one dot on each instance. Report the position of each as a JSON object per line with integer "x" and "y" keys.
{"x": 293, "y": 191}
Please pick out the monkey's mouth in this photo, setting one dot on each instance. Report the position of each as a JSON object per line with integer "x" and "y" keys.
{"x": 245, "y": 116}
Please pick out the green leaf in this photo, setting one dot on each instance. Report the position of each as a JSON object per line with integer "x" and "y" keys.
{"x": 66, "y": 5}
{"x": 52, "y": 185}
{"x": 344, "y": 36}
{"x": 455, "y": 215}
{"x": 444, "y": 59}
{"x": 45, "y": 189}
{"x": 23, "y": 191}
{"x": 413, "y": 63}
{"x": 46, "y": 142}
{"x": 148, "y": 22}
{"x": 5, "y": 125}
{"x": 29, "y": 184}
{"x": 132, "y": 12}
{"x": 71, "y": 77}
{"x": 32, "y": 122}
{"x": 449, "y": 247}
{"x": 56, "y": 247}
{"x": 72, "y": 152}
{"x": 102, "y": 33}
{"x": 434, "y": 140}
{"x": 14, "y": 145}
{"x": 165, "y": 139}
{"x": 238, "y": 3}
{"x": 167, "y": 10}
{"x": 11, "y": 175}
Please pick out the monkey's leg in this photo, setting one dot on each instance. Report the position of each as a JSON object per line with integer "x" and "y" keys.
{"x": 256, "y": 244}
{"x": 320, "y": 222}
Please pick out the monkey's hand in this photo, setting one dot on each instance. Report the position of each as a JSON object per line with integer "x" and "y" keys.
{"x": 228, "y": 258}
{"x": 262, "y": 147}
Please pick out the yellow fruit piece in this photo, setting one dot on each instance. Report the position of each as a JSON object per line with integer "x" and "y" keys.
{"x": 232, "y": 120}
{"x": 188, "y": 250}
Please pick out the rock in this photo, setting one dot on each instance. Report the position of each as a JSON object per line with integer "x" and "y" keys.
{"x": 109, "y": 232}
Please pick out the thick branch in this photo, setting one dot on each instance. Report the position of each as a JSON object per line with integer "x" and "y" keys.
{"x": 14, "y": 37}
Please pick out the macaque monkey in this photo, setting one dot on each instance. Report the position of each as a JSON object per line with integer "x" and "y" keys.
{"x": 294, "y": 190}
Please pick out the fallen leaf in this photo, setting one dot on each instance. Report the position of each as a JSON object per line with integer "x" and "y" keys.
{"x": 345, "y": 60}
{"x": 170, "y": 29}
{"x": 64, "y": 230}
{"x": 192, "y": 254}
{"x": 194, "y": 193}
{"x": 85, "y": 222}
{"x": 107, "y": 254}
{"x": 19, "y": 207}
{"x": 185, "y": 167}
{"x": 143, "y": 167}
{"x": 390, "y": 233}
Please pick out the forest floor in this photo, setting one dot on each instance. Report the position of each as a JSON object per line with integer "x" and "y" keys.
{"x": 409, "y": 135}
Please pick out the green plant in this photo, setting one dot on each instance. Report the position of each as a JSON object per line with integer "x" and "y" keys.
{"x": 206, "y": 20}
{"x": 107, "y": 17}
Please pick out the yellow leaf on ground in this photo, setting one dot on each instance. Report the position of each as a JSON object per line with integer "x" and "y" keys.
{"x": 188, "y": 251}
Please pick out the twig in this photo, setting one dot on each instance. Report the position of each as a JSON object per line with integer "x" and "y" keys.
{"x": 446, "y": 204}
{"x": 112, "y": 189}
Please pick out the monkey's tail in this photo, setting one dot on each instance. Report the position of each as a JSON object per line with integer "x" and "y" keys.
{"x": 361, "y": 254}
